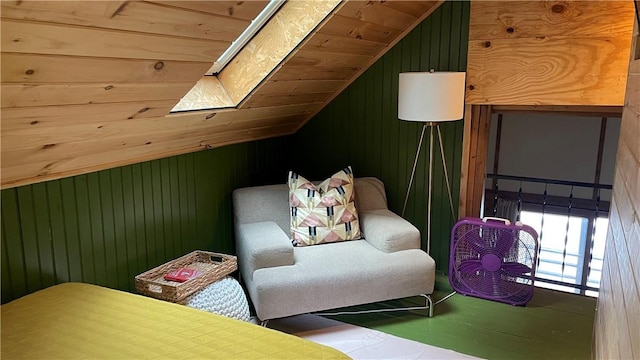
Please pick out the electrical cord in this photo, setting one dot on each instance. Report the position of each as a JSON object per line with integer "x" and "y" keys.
{"x": 444, "y": 298}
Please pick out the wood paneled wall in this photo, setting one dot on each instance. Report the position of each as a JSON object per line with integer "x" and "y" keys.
{"x": 106, "y": 227}
{"x": 360, "y": 127}
{"x": 548, "y": 52}
{"x": 617, "y": 328}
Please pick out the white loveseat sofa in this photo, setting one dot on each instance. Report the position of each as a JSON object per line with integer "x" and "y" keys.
{"x": 283, "y": 280}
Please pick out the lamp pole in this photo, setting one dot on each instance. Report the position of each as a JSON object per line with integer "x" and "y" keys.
{"x": 430, "y": 196}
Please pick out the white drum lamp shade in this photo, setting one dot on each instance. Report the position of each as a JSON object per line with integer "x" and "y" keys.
{"x": 431, "y": 96}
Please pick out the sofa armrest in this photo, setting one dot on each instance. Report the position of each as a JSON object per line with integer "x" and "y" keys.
{"x": 261, "y": 245}
{"x": 388, "y": 232}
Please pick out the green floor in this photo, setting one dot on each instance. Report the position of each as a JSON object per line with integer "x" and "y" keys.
{"x": 553, "y": 325}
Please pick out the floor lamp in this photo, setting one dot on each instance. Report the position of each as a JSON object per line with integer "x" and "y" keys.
{"x": 430, "y": 98}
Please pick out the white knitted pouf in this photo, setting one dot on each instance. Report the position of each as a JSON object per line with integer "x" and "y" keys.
{"x": 224, "y": 297}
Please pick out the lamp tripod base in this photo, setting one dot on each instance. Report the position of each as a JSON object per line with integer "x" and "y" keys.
{"x": 431, "y": 125}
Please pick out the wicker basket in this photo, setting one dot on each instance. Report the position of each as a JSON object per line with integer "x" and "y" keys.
{"x": 214, "y": 267}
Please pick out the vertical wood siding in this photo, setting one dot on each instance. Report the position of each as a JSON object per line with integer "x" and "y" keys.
{"x": 361, "y": 127}
{"x": 106, "y": 227}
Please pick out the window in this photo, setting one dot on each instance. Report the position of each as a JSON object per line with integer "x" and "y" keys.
{"x": 209, "y": 92}
{"x": 255, "y": 26}
{"x": 565, "y": 244}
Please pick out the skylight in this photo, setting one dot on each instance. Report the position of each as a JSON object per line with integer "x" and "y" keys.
{"x": 252, "y": 57}
{"x": 256, "y": 24}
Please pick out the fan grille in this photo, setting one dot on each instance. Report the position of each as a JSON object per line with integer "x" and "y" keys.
{"x": 493, "y": 261}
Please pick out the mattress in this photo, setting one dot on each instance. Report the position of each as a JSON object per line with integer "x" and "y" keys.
{"x": 74, "y": 320}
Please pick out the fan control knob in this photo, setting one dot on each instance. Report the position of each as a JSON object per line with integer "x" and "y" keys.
{"x": 491, "y": 262}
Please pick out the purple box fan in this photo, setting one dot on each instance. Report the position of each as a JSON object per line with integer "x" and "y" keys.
{"x": 493, "y": 259}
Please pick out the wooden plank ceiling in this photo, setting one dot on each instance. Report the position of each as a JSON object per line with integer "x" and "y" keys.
{"x": 88, "y": 85}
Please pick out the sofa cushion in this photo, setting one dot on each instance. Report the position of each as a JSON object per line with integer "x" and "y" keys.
{"x": 324, "y": 213}
{"x": 340, "y": 274}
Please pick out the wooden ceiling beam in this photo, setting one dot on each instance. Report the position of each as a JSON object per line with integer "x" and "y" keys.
{"x": 599, "y": 111}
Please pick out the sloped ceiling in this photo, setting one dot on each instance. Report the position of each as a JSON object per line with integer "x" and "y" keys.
{"x": 88, "y": 85}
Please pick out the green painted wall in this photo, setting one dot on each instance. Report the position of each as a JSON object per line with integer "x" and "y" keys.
{"x": 106, "y": 227}
{"x": 361, "y": 127}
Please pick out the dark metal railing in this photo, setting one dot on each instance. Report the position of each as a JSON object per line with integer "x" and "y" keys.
{"x": 510, "y": 203}
{"x": 549, "y": 181}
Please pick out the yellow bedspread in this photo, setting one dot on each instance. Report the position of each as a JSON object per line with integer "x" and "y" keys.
{"x": 76, "y": 320}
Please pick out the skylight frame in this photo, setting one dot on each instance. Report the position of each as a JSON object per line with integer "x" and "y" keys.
{"x": 256, "y": 24}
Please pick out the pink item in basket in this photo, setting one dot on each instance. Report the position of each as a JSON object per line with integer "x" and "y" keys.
{"x": 182, "y": 274}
